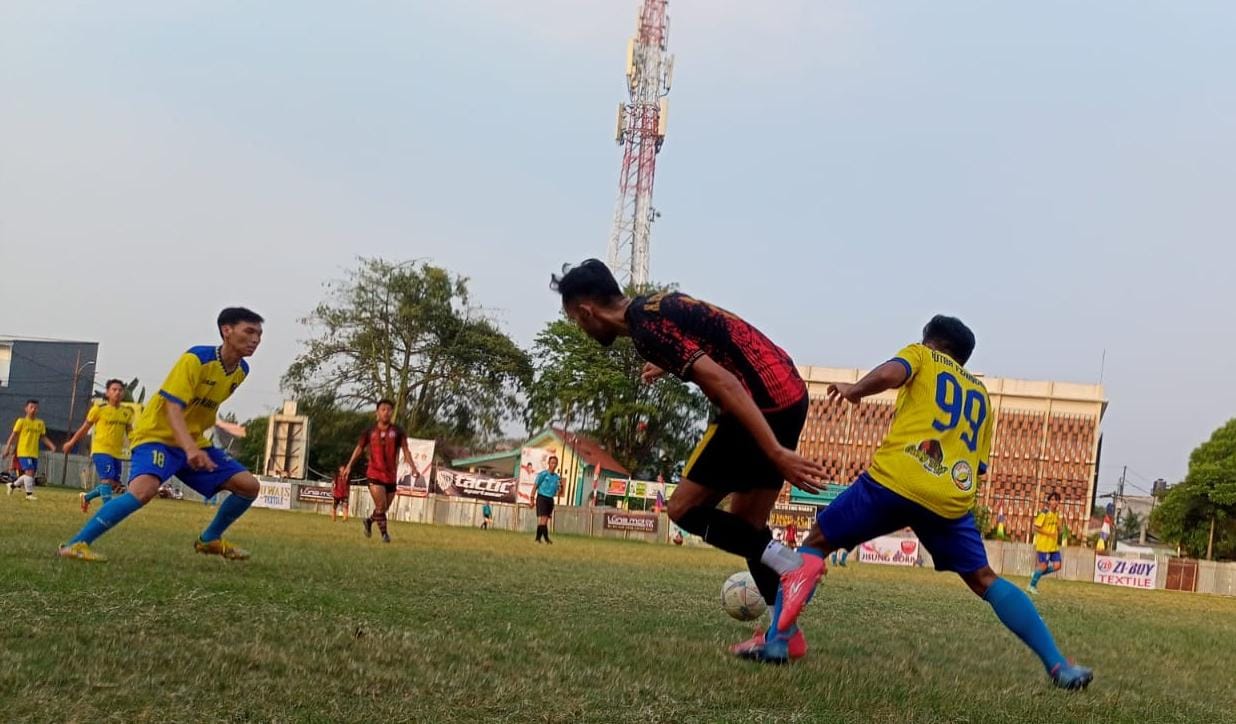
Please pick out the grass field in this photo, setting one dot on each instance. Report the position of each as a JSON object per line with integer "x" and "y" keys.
{"x": 447, "y": 624}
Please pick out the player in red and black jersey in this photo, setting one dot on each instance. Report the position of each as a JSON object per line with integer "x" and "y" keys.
{"x": 750, "y": 451}
{"x": 384, "y": 441}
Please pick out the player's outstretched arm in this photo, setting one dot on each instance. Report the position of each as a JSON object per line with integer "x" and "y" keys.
{"x": 8, "y": 444}
{"x": 49, "y": 444}
{"x": 347, "y": 471}
{"x": 77, "y": 436}
{"x": 887, "y": 376}
{"x": 723, "y": 388}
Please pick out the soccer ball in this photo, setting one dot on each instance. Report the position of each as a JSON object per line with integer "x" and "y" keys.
{"x": 741, "y": 598}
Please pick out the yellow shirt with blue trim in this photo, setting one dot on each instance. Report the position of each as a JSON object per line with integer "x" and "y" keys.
{"x": 940, "y": 439}
{"x": 111, "y": 425}
{"x": 1049, "y": 540}
{"x": 29, "y": 434}
{"x": 198, "y": 384}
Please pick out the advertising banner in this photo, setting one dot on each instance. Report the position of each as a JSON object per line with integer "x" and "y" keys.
{"x": 532, "y": 460}
{"x": 802, "y": 516}
{"x": 639, "y": 522}
{"x": 468, "y": 485}
{"x": 274, "y": 494}
{"x": 422, "y": 456}
{"x": 1127, "y": 572}
{"x": 890, "y": 551}
{"x": 315, "y": 494}
{"x": 616, "y": 487}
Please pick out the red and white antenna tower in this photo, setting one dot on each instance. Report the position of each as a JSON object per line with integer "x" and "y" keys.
{"x": 641, "y": 130}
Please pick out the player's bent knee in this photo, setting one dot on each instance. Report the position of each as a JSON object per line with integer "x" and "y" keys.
{"x": 144, "y": 488}
{"x": 981, "y": 580}
{"x": 244, "y": 484}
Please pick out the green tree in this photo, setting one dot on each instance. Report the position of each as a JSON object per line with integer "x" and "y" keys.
{"x": 1199, "y": 514}
{"x": 595, "y": 390}
{"x": 1130, "y": 525}
{"x": 333, "y": 431}
{"x": 134, "y": 392}
{"x": 409, "y": 332}
{"x": 252, "y": 448}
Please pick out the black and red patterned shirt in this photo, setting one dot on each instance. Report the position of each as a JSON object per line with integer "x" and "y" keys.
{"x": 673, "y": 330}
{"x": 383, "y": 446}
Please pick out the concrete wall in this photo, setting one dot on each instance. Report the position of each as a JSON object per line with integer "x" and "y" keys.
{"x": 44, "y": 371}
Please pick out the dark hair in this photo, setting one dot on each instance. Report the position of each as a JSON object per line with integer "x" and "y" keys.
{"x": 951, "y": 335}
{"x": 32, "y": 402}
{"x": 552, "y": 457}
{"x": 387, "y": 402}
{"x": 591, "y": 280}
{"x": 114, "y": 382}
{"x": 232, "y": 316}
{"x": 1053, "y": 496}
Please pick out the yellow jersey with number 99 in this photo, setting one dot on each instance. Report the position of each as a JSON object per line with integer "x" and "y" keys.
{"x": 198, "y": 384}
{"x": 940, "y": 440}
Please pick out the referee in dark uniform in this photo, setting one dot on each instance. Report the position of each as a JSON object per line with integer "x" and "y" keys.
{"x": 546, "y": 489}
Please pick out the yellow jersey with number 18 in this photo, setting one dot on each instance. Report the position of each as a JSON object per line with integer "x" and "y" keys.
{"x": 198, "y": 384}
{"x": 940, "y": 440}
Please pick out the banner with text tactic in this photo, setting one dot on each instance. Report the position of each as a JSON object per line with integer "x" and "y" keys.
{"x": 469, "y": 485}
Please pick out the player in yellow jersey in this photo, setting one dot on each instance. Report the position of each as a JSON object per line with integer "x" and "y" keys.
{"x": 924, "y": 475}
{"x": 169, "y": 439}
{"x": 29, "y": 431}
{"x": 1046, "y": 541}
{"x": 112, "y": 422}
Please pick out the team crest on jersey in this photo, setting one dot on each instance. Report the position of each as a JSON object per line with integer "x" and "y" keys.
{"x": 963, "y": 476}
{"x": 930, "y": 454}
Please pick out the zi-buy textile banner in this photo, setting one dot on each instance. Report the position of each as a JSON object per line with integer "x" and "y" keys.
{"x": 422, "y": 456}
{"x": 889, "y": 551}
{"x": 468, "y": 485}
{"x": 1127, "y": 572}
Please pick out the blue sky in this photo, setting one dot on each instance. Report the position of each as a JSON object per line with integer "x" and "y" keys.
{"x": 1060, "y": 175}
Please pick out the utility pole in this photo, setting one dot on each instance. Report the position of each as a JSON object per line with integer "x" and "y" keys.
{"x": 1119, "y": 506}
{"x": 78, "y": 367}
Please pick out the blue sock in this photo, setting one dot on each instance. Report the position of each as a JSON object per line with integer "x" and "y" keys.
{"x": 1014, "y": 609}
{"x": 844, "y": 555}
{"x": 809, "y": 551}
{"x": 232, "y": 508}
{"x": 772, "y": 631}
{"x": 112, "y": 512}
{"x": 94, "y": 493}
{"x": 105, "y": 492}
{"x": 1034, "y": 580}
